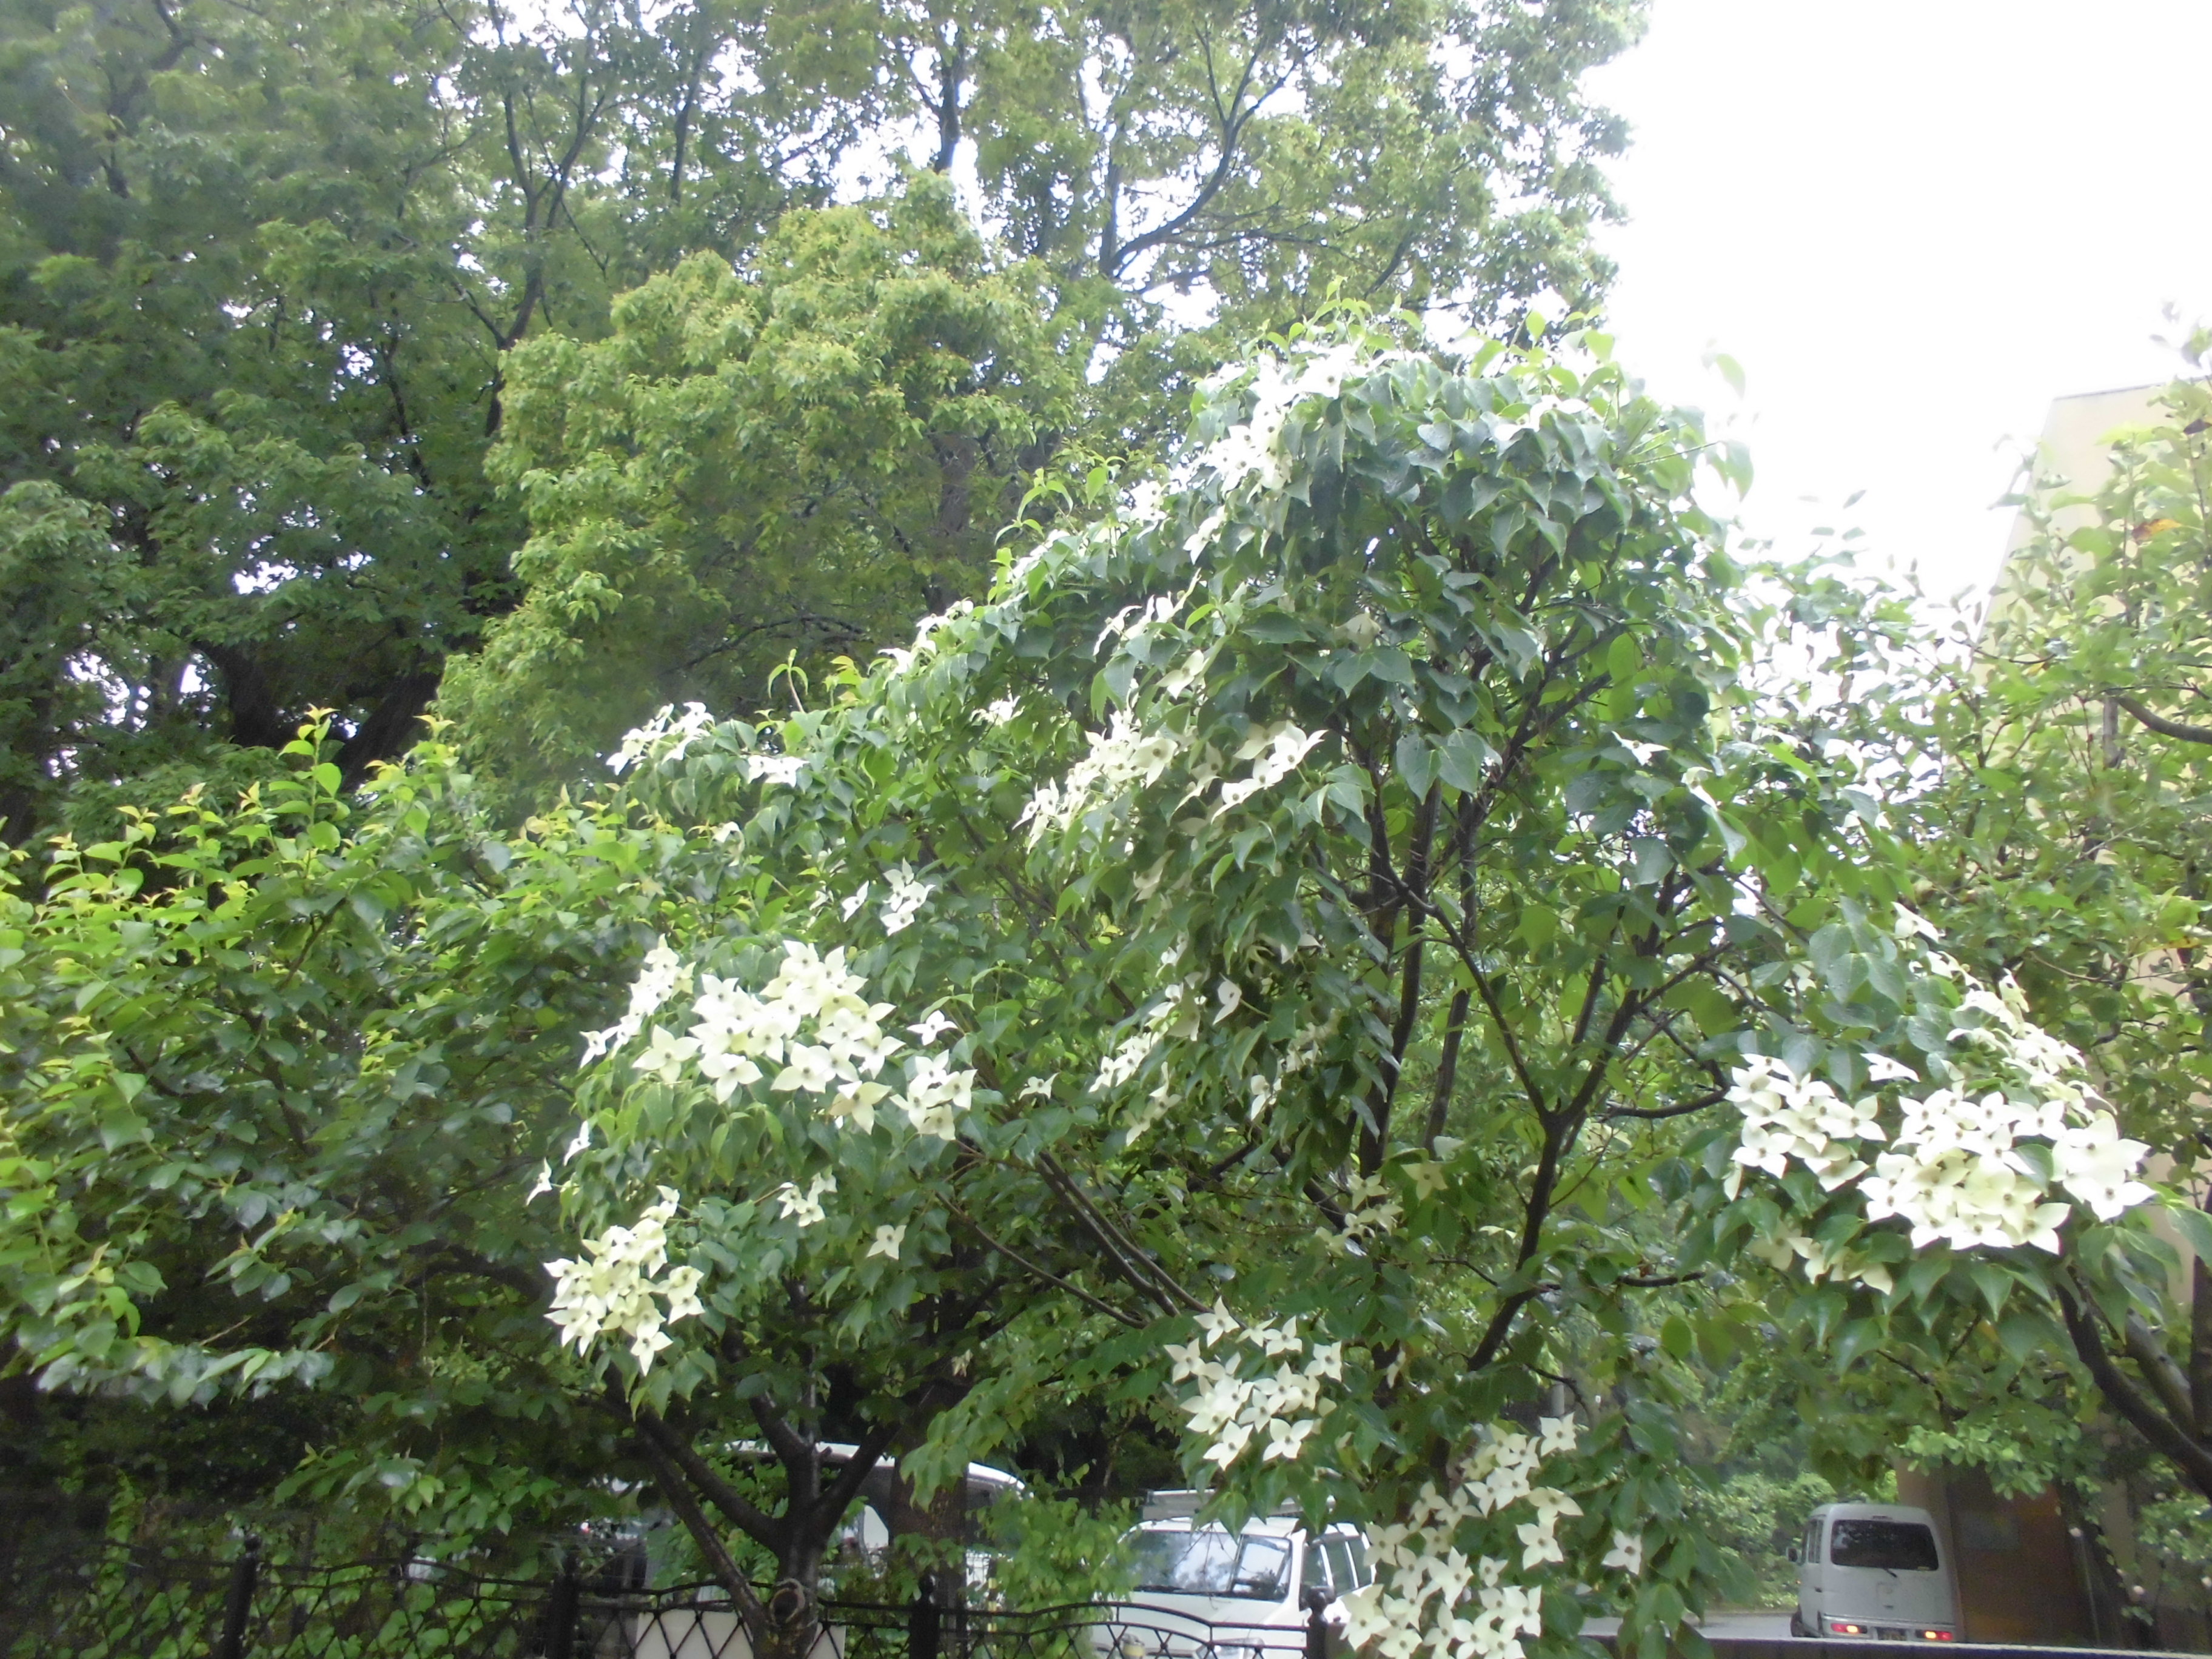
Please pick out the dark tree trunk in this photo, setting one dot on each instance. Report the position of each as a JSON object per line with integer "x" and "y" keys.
{"x": 390, "y": 728}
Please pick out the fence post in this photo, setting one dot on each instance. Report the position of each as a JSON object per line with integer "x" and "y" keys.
{"x": 238, "y": 1600}
{"x": 1316, "y": 1599}
{"x": 922, "y": 1626}
{"x": 560, "y": 1612}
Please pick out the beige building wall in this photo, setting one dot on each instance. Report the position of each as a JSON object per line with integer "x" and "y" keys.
{"x": 2074, "y": 453}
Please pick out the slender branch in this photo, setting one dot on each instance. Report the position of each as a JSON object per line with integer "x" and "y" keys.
{"x": 1652, "y": 1114}
{"x": 1505, "y": 1027}
{"x": 1447, "y": 1071}
{"x": 1138, "y": 1266}
{"x": 829, "y": 1509}
{"x": 2161, "y": 1373}
{"x": 754, "y": 1522}
{"x": 2164, "y": 727}
{"x": 1046, "y": 1273}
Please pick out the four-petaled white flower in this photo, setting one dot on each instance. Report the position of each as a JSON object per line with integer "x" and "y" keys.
{"x": 888, "y": 1241}
{"x": 1217, "y": 1322}
{"x": 932, "y": 1026}
{"x": 1880, "y": 1068}
{"x": 666, "y": 1055}
{"x": 1626, "y": 1554}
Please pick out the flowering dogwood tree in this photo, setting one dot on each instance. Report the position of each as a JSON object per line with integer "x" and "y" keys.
{"x": 1340, "y": 943}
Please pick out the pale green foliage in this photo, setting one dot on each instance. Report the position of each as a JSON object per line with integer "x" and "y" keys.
{"x": 799, "y": 457}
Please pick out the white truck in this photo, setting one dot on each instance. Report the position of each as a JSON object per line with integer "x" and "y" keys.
{"x": 1202, "y": 1591}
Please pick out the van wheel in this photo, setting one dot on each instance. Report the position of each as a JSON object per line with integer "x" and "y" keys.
{"x": 1797, "y": 1627}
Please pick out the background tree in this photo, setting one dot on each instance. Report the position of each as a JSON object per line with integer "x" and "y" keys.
{"x": 260, "y": 273}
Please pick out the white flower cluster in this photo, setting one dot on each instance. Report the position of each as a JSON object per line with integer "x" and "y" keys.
{"x": 1371, "y": 1211}
{"x": 1954, "y": 1170}
{"x": 1423, "y": 1583}
{"x": 805, "y": 1208}
{"x": 1304, "y": 1050}
{"x": 925, "y": 644}
{"x": 812, "y": 1024}
{"x": 663, "y": 737}
{"x": 1277, "y": 1409}
{"x": 1124, "y": 756}
{"x": 1120, "y": 756}
{"x": 901, "y": 904}
{"x": 1180, "y": 1014}
{"x": 663, "y": 974}
{"x": 613, "y": 1286}
{"x": 1252, "y": 448}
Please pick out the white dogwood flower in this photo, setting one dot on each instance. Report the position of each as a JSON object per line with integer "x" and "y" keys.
{"x": 613, "y": 1286}
{"x": 805, "y": 1208}
{"x": 933, "y": 1025}
{"x": 908, "y": 893}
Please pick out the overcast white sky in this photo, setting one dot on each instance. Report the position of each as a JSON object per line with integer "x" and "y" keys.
{"x": 1914, "y": 225}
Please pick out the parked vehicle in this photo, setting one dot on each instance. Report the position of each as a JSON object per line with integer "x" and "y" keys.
{"x": 1874, "y": 1571}
{"x": 1202, "y": 1589}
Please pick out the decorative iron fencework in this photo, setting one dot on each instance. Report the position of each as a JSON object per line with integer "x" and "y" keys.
{"x": 111, "y": 1602}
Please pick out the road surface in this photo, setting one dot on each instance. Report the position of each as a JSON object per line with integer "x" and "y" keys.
{"x": 1739, "y": 1626}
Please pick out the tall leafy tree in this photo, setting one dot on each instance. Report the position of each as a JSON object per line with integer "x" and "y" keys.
{"x": 2075, "y": 857}
{"x": 2043, "y": 767}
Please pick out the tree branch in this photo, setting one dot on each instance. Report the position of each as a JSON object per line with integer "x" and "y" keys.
{"x": 2162, "y": 725}
{"x": 670, "y": 1479}
{"x": 757, "y": 1522}
{"x": 2192, "y": 1460}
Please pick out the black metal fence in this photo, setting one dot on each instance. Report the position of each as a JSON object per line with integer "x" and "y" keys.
{"x": 118, "y": 1603}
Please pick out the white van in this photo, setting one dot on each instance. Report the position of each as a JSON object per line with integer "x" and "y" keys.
{"x": 1205, "y": 1589}
{"x": 1874, "y": 1572}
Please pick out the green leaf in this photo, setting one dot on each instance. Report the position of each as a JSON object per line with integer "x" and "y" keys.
{"x": 1463, "y": 761}
{"x": 1995, "y": 1282}
{"x": 2194, "y": 1228}
{"x": 1415, "y": 762}
{"x": 2024, "y": 1331}
{"x": 1624, "y": 660}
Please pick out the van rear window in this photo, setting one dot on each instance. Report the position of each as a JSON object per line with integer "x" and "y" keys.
{"x": 1899, "y": 1546}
